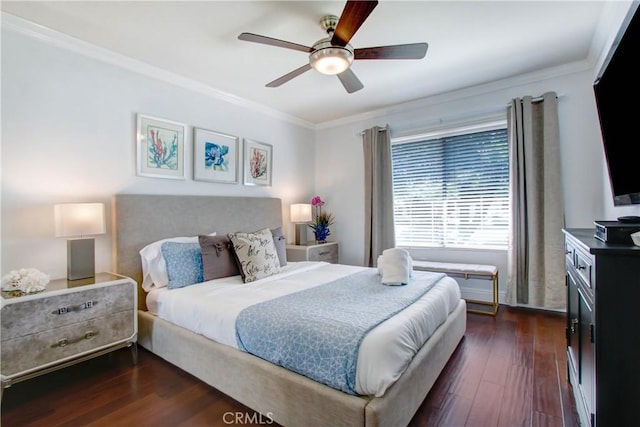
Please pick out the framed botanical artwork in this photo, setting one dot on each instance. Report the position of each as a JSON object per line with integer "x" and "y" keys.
{"x": 215, "y": 156}
{"x": 258, "y": 163}
{"x": 160, "y": 148}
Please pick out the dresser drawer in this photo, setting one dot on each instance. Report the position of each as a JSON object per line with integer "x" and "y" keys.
{"x": 569, "y": 252}
{"x": 328, "y": 253}
{"x": 54, "y": 345}
{"x": 31, "y": 316}
{"x": 584, "y": 267}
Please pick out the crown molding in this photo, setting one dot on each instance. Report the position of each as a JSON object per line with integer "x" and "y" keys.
{"x": 460, "y": 94}
{"x": 60, "y": 40}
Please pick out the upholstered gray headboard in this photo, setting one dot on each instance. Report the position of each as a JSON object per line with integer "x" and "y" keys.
{"x": 139, "y": 219}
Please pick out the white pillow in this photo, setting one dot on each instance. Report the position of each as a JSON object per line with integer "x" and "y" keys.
{"x": 154, "y": 268}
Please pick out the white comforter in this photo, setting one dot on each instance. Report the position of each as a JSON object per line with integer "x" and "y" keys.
{"x": 211, "y": 308}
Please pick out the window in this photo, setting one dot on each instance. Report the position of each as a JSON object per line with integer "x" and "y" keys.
{"x": 452, "y": 190}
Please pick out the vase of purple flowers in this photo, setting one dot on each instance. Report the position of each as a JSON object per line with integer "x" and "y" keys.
{"x": 321, "y": 220}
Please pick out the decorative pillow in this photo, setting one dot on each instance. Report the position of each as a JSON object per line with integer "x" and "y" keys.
{"x": 184, "y": 263}
{"x": 256, "y": 254}
{"x": 218, "y": 259}
{"x": 154, "y": 269}
{"x": 281, "y": 243}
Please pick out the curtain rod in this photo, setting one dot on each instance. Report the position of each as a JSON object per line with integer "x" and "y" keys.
{"x": 382, "y": 129}
{"x": 536, "y": 99}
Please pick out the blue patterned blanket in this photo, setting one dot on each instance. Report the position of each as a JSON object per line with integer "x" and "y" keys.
{"x": 317, "y": 332}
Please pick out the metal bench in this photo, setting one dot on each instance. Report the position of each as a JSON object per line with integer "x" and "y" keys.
{"x": 466, "y": 271}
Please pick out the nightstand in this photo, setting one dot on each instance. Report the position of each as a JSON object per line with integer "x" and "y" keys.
{"x": 69, "y": 322}
{"x": 314, "y": 252}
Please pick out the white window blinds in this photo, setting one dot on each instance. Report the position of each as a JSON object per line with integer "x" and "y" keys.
{"x": 452, "y": 191}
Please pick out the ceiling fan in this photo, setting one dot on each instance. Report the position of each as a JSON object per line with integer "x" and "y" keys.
{"x": 334, "y": 54}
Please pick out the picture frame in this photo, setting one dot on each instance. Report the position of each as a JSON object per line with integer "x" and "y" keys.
{"x": 215, "y": 156}
{"x": 160, "y": 148}
{"x": 258, "y": 163}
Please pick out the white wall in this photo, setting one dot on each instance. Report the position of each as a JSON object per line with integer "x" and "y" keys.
{"x": 339, "y": 158}
{"x": 68, "y": 128}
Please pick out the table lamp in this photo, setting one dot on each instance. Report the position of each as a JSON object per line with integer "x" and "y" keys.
{"x": 300, "y": 214}
{"x": 80, "y": 220}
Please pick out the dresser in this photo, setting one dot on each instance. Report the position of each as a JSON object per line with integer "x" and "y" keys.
{"x": 603, "y": 349}
{"x": 328, "y": 252}
{"x": 69, "y": 322}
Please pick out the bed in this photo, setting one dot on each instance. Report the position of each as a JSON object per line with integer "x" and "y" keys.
{"x": 286, "y": 397}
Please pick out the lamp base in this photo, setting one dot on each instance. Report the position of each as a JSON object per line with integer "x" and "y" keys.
{"x": 81, "y": 259}
{"x": 301, "y": 234}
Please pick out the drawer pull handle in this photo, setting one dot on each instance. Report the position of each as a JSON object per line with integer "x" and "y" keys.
{"x": 84, "y": 306}
{"x": 581, "y": 267}
{"x": 65, "y": 342}
{"x": 574, "y": 322}
{"x": 567, "y": 252}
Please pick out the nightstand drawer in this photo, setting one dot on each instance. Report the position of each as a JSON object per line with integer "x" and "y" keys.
{"x": 52, "y": 346}
{"x": 328, "y": 253}
{"x": 31, "y": 316}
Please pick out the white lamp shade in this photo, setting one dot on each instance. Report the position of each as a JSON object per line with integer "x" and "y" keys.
{"x": 79, "y": 219}
{"x": 300, "y": 212}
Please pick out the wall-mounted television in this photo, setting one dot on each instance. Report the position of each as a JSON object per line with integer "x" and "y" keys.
{"x": 617, "y": 94}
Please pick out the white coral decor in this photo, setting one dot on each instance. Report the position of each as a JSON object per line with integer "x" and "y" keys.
{"x": 26, "y": 280}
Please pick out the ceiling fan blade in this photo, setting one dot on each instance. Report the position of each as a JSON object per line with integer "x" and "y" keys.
{"x": 295, "y": 73}
{"x": 399, "y": 51}
{"x": 256, "y": 38}
{"x": 349, "y": 80}
{"x": 353, "y": 16}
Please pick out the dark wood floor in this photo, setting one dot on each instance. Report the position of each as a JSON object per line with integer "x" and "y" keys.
{"x": 508, "y": 371}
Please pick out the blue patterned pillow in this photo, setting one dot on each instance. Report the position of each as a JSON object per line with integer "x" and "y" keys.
{"x": 184, "y": 263}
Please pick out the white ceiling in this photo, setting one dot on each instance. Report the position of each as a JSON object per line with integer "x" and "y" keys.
{"x": 470, "y": 43}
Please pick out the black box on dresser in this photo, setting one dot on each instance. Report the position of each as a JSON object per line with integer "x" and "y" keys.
{"x": 615, "y": 232}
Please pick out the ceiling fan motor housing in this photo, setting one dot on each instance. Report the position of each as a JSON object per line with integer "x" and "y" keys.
{"x": 328, "y": 23}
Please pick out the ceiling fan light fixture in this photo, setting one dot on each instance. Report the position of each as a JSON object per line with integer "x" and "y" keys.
{"x": 329, "y": 59}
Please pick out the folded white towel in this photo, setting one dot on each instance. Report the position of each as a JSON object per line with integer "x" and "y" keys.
{"x": 396, "y": 266}
{"x": 379, "y": 263}
{"x": 398, "y": 254}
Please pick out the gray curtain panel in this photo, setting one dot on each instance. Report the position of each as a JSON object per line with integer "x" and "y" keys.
{"x": 379, "y": 232}
{"x": 536, "y": 249}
